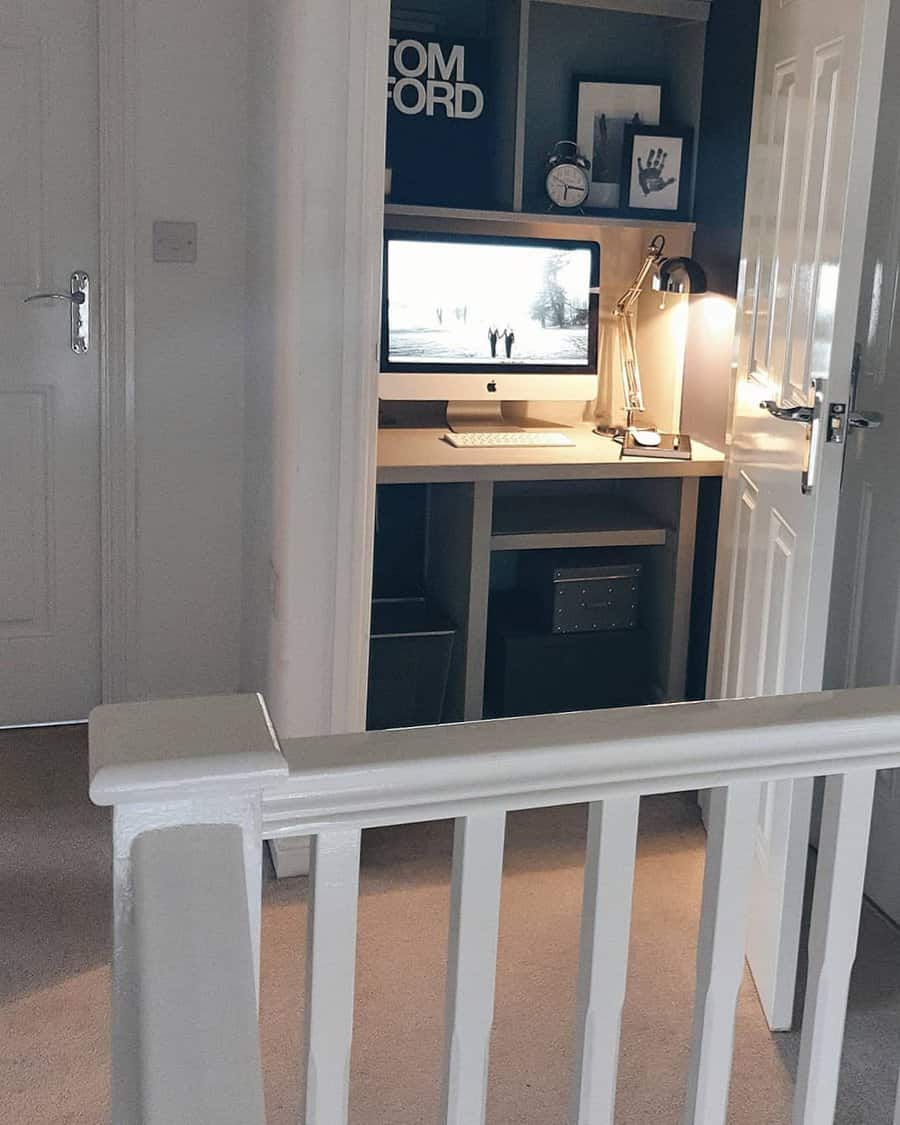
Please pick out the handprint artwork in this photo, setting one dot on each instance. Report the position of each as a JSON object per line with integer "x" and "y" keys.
{"x": 656, "y": 168}
{"x": 650, "y": 176}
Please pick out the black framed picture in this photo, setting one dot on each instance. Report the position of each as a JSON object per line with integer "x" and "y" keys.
{"x": 602, "y": 111}
{"x": 656, "y": 170}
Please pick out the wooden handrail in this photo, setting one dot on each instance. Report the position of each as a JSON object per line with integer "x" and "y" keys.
{"x": 405, "y": 776}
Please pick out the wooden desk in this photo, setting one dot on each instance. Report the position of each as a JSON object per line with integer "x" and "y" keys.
{"x": 482, "y": 501}
{"x": 410, "y": 456}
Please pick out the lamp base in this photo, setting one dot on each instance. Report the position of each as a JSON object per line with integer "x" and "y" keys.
{"x": 614, "y": 432}
{"x": 674, "y": 447}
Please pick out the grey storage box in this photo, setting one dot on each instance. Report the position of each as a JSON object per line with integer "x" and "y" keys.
{"x": 594, "y": 598}
{"x": 586, "y": 599}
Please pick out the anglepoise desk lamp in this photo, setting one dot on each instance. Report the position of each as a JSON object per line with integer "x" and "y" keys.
{"x": 670, "y": 275}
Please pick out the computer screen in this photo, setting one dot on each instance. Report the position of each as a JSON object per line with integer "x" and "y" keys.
{"x": 469, "y": 303}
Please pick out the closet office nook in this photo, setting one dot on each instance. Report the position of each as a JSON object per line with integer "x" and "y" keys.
{"x": 564, "y": 192}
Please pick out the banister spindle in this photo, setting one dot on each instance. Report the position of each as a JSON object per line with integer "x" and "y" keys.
{"x": 331, "y": 974}
{"x": 833, "y": 932}
{"x": 472, "y": 964}
{"x": 733, "y": 813}
{"x": 603, "y": 959}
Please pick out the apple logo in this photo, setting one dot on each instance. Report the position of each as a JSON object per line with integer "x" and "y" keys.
{"x": 492, "y": 386}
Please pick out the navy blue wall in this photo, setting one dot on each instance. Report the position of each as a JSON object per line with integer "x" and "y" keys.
{"x": 728, "y": 80}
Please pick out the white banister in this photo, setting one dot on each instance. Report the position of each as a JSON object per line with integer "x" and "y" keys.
{"x": 472, "y": 962}
{"x": 164, "y": 765}
{"x": 834, "y": 926}
{"x": 733, "y": 813}
{"x": 197, "y": 784}
{"x": 400, "y": 777}
{"x": 603, "y": 958}
{"x": 197, "y": 1030}
{"x": 330, "y": 974}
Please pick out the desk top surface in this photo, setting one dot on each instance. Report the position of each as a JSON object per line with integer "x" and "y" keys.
{"x": 411, "y": 456}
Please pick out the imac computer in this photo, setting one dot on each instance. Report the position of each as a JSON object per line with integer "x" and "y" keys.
{"x": 481, "y": 320}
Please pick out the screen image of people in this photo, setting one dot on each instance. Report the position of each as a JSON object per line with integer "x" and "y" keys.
{"x": 455, "y": 302}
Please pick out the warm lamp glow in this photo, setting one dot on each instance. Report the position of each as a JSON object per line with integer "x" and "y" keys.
{"x": 717, "y": 314}
{"x": 670, "y": 275}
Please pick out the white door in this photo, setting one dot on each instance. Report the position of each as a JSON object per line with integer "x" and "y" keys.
{"x": 864, "y": 623}
{"x": 812, "y": 150}
{"x": 49, "y": 452}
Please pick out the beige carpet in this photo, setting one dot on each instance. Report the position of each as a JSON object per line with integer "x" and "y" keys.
{"x": 54, "y": 974}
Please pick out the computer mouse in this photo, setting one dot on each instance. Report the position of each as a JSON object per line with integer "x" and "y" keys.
{"x": 646, "y": 437}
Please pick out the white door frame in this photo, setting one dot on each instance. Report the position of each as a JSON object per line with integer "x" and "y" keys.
{"x": 326, "y": 324}
{"x": 118, "y": 223}
{"x": 366, "y": 54}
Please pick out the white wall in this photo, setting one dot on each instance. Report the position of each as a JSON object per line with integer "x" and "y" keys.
{"x": 317, "y": 153}
{"x": 191, "y": 142}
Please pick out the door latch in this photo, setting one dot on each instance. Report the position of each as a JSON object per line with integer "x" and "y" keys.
{"x": 840, "y": 420}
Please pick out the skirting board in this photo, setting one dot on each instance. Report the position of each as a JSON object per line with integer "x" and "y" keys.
{"x": 290, "y": 856}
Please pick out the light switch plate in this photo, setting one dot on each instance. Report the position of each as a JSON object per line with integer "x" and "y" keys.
{"x": 174, "y": 242}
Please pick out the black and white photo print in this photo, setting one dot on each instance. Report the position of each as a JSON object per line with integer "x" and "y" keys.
{"x": 605, "y": 110}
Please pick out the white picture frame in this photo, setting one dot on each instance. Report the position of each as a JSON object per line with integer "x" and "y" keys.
{"x": 604, "y": 109}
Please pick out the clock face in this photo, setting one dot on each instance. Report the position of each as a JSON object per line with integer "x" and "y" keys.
{"x": 567, "y": 185}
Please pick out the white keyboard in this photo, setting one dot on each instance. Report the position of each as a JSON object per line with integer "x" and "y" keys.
{"x": 508, "y": 438}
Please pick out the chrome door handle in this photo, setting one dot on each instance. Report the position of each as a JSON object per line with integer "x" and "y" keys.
{"x": 810, "y": 416}
{"x": 79, "y": 300}
{"x": 802, "y": 414}
{"x": 864, "y": 420}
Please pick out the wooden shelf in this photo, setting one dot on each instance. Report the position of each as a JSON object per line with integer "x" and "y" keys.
{"x": 459, "y": 214}
{"x": 533, "y": 523}
{"x": 675, "y": 9}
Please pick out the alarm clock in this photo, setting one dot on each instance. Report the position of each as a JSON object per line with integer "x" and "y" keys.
{"x": 567, "y": 179}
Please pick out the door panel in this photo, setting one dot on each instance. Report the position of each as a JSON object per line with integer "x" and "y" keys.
{"x": 738, "y": 621}
{"x": 27, "y": 544}
{"x": 783, "y": 205}
{"x": 812, "y": 153}
{"x": 49, "y": 401}
{"x": 776, "y": 605}
{"x": 854, "y": 674}
{"x": 21, "y": 220}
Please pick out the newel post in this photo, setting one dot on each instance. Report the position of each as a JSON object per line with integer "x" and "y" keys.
{"x": 170, "y": 765}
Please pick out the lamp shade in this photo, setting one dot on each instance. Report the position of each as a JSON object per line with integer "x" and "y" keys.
{"x": 681, "y": 275}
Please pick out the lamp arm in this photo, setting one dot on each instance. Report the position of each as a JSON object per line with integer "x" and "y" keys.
{"x": 630, "y": 297}
{"x": 623, "y": 313}
{"x": 631, "y": 374}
